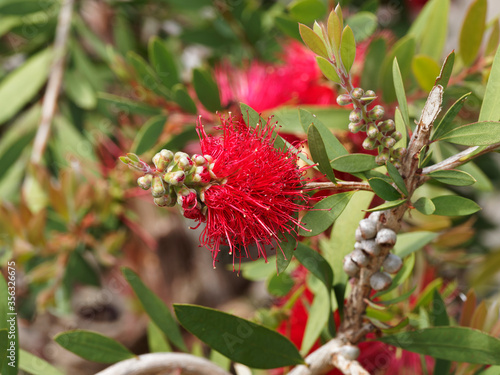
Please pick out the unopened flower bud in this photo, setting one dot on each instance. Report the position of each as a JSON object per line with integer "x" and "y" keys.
{"x": 372, "y": 131}
{"x": 380, "y": 281}
{"x": 209, "y": 158}
{"x": 350, "y": 268}
{"x": 162, "y": 159}
{"x": 396, "y": 164}
{"x": 186, "y": 198}
{"x": 175, "y": 178}
{"x": 355, "y": 115}
{"x": 371, "y": 247}
{"x": 157, "y": 189}
{"x": 370, "y": 93}
{"x": 377, "y": 112}
{"x": 398, "y": 152}
{"x": 386, "y": 237}
{"x": 145, "y": 181}
{"x": 368, "y": 97}
{"x": 383, "y": 157}
{"x": 344, "y": 99}
{"x": 388, "y": 142}
{"x": 355, "y": 127}
{"x": 387, "y": 126}
{"x": 199, "y": 160}
{"x": 370, "y": 144}
{"x": 368, "y": 229}
{"x": 360, "y": 258}
{"x": 165, "y": 201}
{"x": 392, "y": 263}
{"x": 397, "y": 135}
{"x": 375, "y": 216}
{"x": 357, "y": 93}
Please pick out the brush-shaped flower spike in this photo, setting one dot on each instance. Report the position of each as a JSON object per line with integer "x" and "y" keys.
{"x": 258, "y": 188}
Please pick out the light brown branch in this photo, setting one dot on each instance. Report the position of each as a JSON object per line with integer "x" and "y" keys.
{"x": 339, "y": 185}
{"x": 459, "y": 159}
{"x": 54, "y": 81}
{"x": 164, "y": 363}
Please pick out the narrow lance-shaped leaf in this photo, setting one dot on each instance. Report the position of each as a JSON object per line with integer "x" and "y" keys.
{"x": 316, "y": 264}
{"x": 348, "y": 48}
{"x": 446, "y": 70}
{"x": 318, "y": 152}
{"x": 148, "y": 135}
{"x": 476, "y": 134}
{"x": 93, "y": 346}
{"x": 324, "y": 213}
{"x": 313, "y": 41}
{"x": 446, "y": 123}
{"x": 384, "y": 189}
{"x": 452, "y": 205}
{"x": 155, "y": 308}
{"x": 206, "y": 89}
{"x": 493, "y": 40}
{"x": 400, "y": 91}
{"x": 425, "y": 71}
{"x": 471, "y": 33}
{"x": 182, "y": 97}
{"x": 36, "y": 366}
{"x": 354, "y": 163}
{"x": 490, "y": 109}
{"x": 163, "y": 62}
{"x": 327, "y": 69}
{"x": 453, "y": 177}
{"x": 451, "y": 343}
{"x": 238, "y": 339}
{"x": 285, "y": 250}
{"x": 425, "y": 206}
{"x": 334, "y": 32}
{"x": 396, "y": 177}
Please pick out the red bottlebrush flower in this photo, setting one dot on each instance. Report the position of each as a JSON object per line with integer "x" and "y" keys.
{"x": 259, "y": 189}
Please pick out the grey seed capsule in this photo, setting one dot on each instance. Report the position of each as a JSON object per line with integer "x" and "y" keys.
{"x": 380, "y": 281}
{"x": 371, "y": 247}
{"x": 360, "y": 258}
{"x": 392, "y": 263}
{"x": 357, "y": 245}
{"x": 386, "y": 237}
{"x": 358, "y": 235}
{"x": 349, "y": 352}
{"x": 375, "y": 216}
{"x": 368, "y": 229}
{"x": 350, "y": 268}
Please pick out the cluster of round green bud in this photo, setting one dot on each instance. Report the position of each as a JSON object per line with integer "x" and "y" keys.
{"x": 381, "y": 134}
{"x": 371, "y": 240}
{"x": 176, "y": 179}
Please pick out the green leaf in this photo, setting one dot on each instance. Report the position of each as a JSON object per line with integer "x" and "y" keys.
{"x": 471, "y": 33}
{"x": 156, "y": 309}
{"x": 313, "y": 41}
{"x": 492, "y": 370}
{"x": 376, "y": 53}
{"x": 400, "y": 127}
{"x": 430, "y": 29}
{"x": 284, "y": 251}
{"x": 363, "y": 25}
{"x": 396, "y": 177}
{"x": 123, "y": 34}
{"x": 439, "y": 317}
{"x": 348, "y": 48}
{"x": 238, "y": 339}
{"x": 182, "y": 97}
{"x": 78, "y": 269}
{"x": 400, "y": 92}
{"x": 408, "y": 243}
{"x": 250, "y": 115}
{"x": 157, "y": 342}
{"x": 451, "y": 343}
{"x": 403, "y": 50}
{"x": 35, "y": 365}
{"x": 206, "y": 90}
{"x": 127, "y": 106}
{"x": 93, "y": 346}
{"x": 288, "y": 26}
{"x": 446, "y": 123}
{"x": 490, "y": 109}
{"x": 425, "y": 206}
{"x": 446, "y": 70}
{"x": 317, "y": 318}
{"x": 327, "y": 69}
{"x": 324, "y": 213}
{"x": 316, "y": 264}
{"x": 148, "y": 135}
{"x": 334, "y": 32}
{"x": 493, "y": 40}
{"x": 318, "y": 152}
{"x": 332, "y": 145}
{"x": 425, "y": 70}
{"x": 453, "y": 177}
{"x": 24, "y": 7}
{"x": 307, "y": 11}
{"x": 145, "y": 74}
{"x": 476, "y": 134}
{"x": 280, "y": 285}
{"x": 163, "y": 62}
{"x": 354, "y": 163}
{"x": 21, "y": 85}
{"x": 452, "y": 205}
{"x": 384, "y": 189}
{"x": 387, "y": 205}
{"x": 259, "y": 269}
{"x": 14, "y": 152}
{"x": 79, "y": 90}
